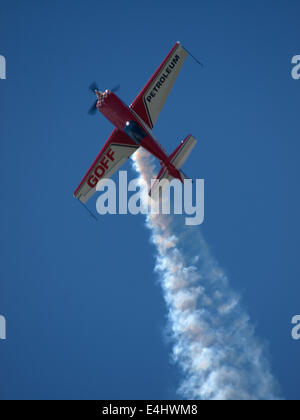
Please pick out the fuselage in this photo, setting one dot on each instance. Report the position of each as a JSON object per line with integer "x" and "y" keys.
{"x": 126, "y": 120}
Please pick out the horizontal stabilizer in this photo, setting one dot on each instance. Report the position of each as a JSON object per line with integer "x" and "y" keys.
{"x": 182, "y": 152}
{"x": 176, "y": 159}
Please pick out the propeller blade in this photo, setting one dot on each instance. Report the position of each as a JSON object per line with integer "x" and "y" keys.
{"x": 115, "y": 88}
{"x": 93, "y": 108}
{"x": 93, "y": 87}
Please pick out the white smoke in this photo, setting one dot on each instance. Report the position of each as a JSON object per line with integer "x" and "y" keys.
{"x": 213, "y": 340}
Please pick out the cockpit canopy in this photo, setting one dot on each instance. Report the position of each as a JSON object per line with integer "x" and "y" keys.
{"x": 135, "y": 131}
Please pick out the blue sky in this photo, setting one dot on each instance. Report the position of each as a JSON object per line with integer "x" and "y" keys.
{"x": 85, "y": 315}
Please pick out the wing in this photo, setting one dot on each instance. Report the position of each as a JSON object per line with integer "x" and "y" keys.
{"x": 117, "y": 149}
{"x": 153, "y": 96}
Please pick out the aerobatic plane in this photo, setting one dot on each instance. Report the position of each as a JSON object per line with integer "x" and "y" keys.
{"x": 133, "y": 128}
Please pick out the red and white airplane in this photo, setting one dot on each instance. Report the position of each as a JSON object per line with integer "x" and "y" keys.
{"x": 133, "y": 128}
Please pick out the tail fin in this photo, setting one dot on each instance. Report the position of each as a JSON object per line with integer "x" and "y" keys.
{"x": 176, "y": 160}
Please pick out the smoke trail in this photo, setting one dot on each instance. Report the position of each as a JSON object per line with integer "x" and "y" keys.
{"x": 213, "y": 340}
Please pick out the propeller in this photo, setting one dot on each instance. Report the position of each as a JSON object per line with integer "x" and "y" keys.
{"x": 94, "y": 88}
{"x": 115, "y": 89}
{"x": 93, "y": 108}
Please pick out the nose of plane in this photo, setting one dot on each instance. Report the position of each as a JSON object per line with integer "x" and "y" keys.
{"x": 102, "y": 96}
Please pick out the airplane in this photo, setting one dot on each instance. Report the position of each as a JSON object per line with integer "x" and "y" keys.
{"x": 133, "y": 128}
